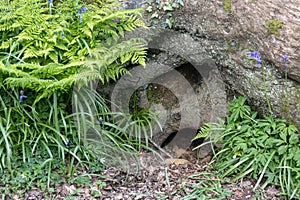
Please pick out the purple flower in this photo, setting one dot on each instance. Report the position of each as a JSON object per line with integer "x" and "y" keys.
{"x": 62, "y": 35}
{"x": 100, "y": 120}
{"x": 284, "y": 59}
{"x": 80, "y": 16}
{"x": 68, "y": 144}
{"x": 83, "y": 9}
{"x": 50, "y": 2}
{"x": 256, "y": 56}
{"x": 22, "y": 96}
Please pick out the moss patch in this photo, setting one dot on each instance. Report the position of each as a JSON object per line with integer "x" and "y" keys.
{"x": 273, "y": 26}
{"x": 226, "y": 5}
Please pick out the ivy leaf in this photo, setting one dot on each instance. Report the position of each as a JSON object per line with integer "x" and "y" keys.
{"x": 279, "y": 142}
{"x": 169, "y": 22}
{"x": 175, "y": 5}
{"x": 292, "y": 129}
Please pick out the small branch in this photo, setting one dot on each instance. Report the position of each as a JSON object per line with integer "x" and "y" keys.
{"x": 160, "y": 149}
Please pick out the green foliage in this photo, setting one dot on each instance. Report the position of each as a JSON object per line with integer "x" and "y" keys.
{"x": 159, "y": 9}
{"x": 28, "y": 137}
{"x": 34, "y": 174}
{"x": 266, "y": 149}
{"x": 226, "y": 5}
{"x": 24, "y": 132}
{"x": 211, "y": 130}
{"x": 30, "y": 174}
{"x": 273, "y": 26}
{"x": 45, "y": 48}
{"x": 208, "y": 186}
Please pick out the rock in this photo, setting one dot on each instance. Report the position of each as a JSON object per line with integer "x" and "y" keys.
{"x": 246, "y": 23}
{"x": 214, "y": 42}
{"x": 225, "y": 37}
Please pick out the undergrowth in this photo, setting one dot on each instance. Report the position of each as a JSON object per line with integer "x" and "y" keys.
{"x": 266, "y": 149}
{"x": 50, "y": 129}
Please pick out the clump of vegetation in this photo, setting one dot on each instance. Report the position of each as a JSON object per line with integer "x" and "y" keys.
{"x": 226, "y": 5}
{"x": 163, "y": 9}
{"x": 273, "y": 26}
{"x": 266, "y": 149}
{"x": 46, "y": 48}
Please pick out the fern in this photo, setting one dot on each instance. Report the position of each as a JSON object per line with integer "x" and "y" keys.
{"x": 50, "y": 52}
{"x": 211, "y": 131}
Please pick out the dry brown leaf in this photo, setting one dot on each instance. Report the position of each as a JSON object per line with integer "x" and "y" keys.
{"x": 176, "y": 161}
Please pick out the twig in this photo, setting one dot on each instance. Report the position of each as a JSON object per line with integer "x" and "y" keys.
{"x": 159, "y": 148}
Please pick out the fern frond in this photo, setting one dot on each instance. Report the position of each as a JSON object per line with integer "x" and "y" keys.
{"x": 28, "y": 82}
{"x": 211, "y": 130}
{"x": 31, "y": 52}
{"x": 12, "y": 71}
{"x": 203, "y": 132}
{"x": 60, "y": 86}
{"x": 57, "y": 45}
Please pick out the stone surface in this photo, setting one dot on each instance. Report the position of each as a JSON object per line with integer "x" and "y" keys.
{"x": 246, "y": 23}
{"x": 227, "y": 36}
{"x": 203, "y": 30}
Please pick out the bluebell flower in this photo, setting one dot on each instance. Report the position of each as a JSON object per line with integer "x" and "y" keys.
{"x": 62, "y": 35}
{"x": 50, "y": 2}
{"x": 80, "y": 16}
{"x": 284, "y": 59}
{"x": 83, "y": 9}
{"x": 100, "y": 120}
{"x": 68, "y": 144}
{"x": 256, "y": 56}
{"x": 22, "y": 96}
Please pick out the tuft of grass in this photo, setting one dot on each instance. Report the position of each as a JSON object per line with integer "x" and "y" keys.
{"x": 207, "y": 186}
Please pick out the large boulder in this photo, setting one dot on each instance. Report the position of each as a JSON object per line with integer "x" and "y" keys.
{"x": 228, "y": 35}
{"x": 207, "y": 33}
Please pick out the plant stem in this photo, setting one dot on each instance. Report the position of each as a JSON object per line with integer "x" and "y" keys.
{"x": 286, "y": 96}
{"x": 265, "y": 90}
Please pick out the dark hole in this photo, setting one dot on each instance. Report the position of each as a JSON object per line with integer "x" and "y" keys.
{"x": 168, "y": 139}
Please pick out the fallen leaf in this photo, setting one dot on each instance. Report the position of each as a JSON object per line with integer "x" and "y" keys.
{"x": 176, "y": 161}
